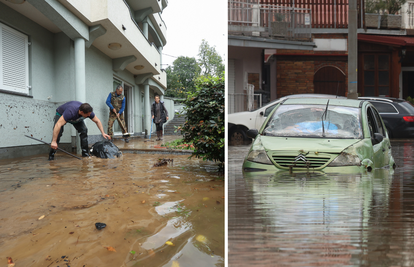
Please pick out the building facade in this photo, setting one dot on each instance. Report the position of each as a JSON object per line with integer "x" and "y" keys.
{"x": 52, "y": 52}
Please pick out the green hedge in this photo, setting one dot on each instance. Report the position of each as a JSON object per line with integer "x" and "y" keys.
{"x": 204, "y": 126}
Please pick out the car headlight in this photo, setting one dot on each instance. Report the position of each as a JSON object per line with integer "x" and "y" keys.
{"x": 258, "y": 154}
{"x": 345, "y": 159}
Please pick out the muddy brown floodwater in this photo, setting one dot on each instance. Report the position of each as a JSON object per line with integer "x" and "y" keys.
{"x": 322, "y": 220}
{"x": 171, "y": 215}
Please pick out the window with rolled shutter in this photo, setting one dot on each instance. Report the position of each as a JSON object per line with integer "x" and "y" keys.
{"x": 14, "y": 60}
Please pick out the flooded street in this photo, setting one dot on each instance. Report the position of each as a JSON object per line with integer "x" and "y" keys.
{"x": 171, "y": 215}
{"x": 322, "y": 220}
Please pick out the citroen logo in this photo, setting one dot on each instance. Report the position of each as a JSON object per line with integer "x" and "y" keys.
{"x": 301, "y": 157}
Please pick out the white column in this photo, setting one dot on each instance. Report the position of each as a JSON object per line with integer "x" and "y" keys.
{"x": 145, "y": 27}
{"x": 147, "y": 116}
{"x": 80, "y": 78}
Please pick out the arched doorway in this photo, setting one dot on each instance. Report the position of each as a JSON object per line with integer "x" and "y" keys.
{"x": 329, "y": 80}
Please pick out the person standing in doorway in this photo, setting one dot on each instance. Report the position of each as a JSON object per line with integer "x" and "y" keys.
{"x": 159, "y": 115}
{"x": 74, "y": 112}
{"x": 116, "y": 104}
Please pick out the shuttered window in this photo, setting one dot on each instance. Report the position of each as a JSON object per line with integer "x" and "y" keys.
{"x": 14, "y": 60}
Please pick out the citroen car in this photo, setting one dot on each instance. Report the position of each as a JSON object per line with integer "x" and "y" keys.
{"x": 314, "y": 134}
{"x": 240, "y": 122}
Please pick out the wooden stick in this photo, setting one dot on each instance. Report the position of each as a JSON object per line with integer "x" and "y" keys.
{"x": 57, "y": 148}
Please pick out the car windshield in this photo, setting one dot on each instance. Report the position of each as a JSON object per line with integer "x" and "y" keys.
{"x": 306, "y": 121}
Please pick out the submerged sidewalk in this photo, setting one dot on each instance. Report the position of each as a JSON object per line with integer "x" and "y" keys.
{"x": 141, "y": 145}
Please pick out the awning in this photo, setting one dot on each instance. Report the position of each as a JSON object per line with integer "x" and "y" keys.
{"x": 387, "y": 40}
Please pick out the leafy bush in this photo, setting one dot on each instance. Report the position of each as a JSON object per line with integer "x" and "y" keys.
{"x": 204, "y": 125}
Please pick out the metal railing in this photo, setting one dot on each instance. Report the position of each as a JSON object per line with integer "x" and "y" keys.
{"x": 244, "y": 102}
{"x": 277, "y": 21}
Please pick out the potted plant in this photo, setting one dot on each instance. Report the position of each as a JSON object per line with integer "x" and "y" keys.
{"x": 279, "y": 26}
{"x": 383, "y": 13}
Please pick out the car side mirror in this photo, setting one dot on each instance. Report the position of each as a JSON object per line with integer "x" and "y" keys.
{"x": 261, "y": 113}
{"x": 378, "y": 138}
{"x": 252, "y": 133}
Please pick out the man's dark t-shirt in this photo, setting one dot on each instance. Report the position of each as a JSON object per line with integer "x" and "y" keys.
{"x": 70, "y": 112}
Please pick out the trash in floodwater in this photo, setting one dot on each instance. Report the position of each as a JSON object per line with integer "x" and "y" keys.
{"x": 10, "y": 262}
{"x": 105, "y": 150}
{"x": 110, "y": 249}
{"x": 169, "y": 243}
{"x": 100, "y": 226}
{"x": 163, "y": 162}
{"x": 201, "y": 238}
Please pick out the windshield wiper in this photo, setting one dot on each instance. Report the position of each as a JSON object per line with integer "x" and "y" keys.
{"x": 324, "y": 113}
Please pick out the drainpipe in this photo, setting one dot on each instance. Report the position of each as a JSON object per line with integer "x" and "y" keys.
{"x": 80, "y": 94}
{"x": 147, "y": 105}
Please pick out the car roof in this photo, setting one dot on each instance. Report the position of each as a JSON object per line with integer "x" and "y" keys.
{"x": 323, "y": 101}
{"x": 303, "y": 96}
{"x": 378, "y": 98}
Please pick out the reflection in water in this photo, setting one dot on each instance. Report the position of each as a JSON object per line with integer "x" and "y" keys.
{"x": 143, "y": 207}
{"x": 322, "y": 219}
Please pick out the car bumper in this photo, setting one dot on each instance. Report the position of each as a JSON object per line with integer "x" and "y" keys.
{"x": 253, "y": 168}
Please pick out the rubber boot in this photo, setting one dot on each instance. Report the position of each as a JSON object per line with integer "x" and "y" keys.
{"x": 158, "y": 136}
{"x": 161, "y": 135}
{"x": 52, "y": 154}
{"x": 84, "y": 146}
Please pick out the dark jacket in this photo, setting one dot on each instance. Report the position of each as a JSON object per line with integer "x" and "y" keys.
{"x": 163, "y": 112}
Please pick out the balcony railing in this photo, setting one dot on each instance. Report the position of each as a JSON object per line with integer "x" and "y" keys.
{"x": 319, "y": 13}
{"x": 275, "y": 21}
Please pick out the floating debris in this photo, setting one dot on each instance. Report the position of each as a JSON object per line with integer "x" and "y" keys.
{"x": 163, "y": 162}
{"x": 100, "y": 226}
{"x": 169, "y": 243}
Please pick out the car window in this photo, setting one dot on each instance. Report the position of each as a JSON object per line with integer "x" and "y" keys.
{"x": 384, "y": 107}
{"x": 374, "y": 122}
{"x": 269, "y": 109}
{"x": 380, "y": 125}
{"x": 407, "y": 107}
{"x": 314, "y": 121}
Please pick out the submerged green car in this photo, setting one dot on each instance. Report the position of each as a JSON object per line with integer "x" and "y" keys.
{"x": 329, "y": 135}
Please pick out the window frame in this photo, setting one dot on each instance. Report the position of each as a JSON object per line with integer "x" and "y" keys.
{"x": 7, "y": 88}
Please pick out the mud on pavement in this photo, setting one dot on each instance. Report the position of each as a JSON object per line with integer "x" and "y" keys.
{"x": 171, "y": 215}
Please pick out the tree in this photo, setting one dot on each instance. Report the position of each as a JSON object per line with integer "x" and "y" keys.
{"x": 204, "y": 125}
{"x": 180, "y": 77}
{"x": 210, "y": 61}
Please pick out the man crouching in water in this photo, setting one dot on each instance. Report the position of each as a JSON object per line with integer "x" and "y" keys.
{"x": 74, "y": 112}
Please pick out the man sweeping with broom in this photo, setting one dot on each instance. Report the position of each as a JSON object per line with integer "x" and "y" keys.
{"x": 116, "y": 104}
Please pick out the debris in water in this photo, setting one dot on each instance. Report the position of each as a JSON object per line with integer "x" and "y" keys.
{"x": 100, "y": 226}
{"x": 169, "y": 243}
{"x": 110, "y": 249}
{"x": 105, "y": 150}
{"x": 201, "y": 238}
{"x": 163, "y": 162}
{"x": 143, "y": 202}
{"x": 41, "y": 217}
{"x": 10, "y": 262}
{"x": 175, "y": 264}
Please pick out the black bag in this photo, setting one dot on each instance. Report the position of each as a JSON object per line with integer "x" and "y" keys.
{"x": 105, "y": 149}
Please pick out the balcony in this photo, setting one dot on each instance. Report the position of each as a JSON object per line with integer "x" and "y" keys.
{"x": 264, "y": 20}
